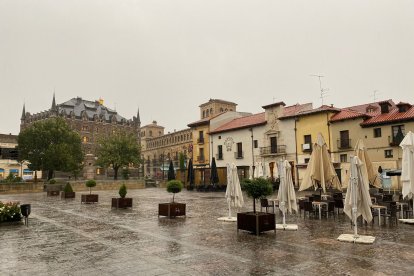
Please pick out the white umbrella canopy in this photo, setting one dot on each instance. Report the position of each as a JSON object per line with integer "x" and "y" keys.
{"x": 259, "y": 170}
{"x": 407, "y": 171}
{"x": 368, "y": 170}
{"x": 286, "y": 194}
{"x": 275, "y": 171}
{"x": 234, "y": 194}
{"x": 357, "y": 200}
{"x": 320, "y": 170}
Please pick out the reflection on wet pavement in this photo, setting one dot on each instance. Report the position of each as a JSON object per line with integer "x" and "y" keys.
{"x": 69, "y": 238}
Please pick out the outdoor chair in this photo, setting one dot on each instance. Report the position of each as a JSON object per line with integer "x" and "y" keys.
{"x": 375, "y": 213}
{"x": 391, "y": 213}
{"x": 339, "y": 204}
{"x": 330, "y": 208}
{"x": 409, "y": 212}
{"x": 308, "y": 207}
{"x": 311, "y": 199}
{"x": 386, "y": 198}
{"x": 316, "y": 197}
{"x": 301, "y": 205}
{"x": 265, "y": 203}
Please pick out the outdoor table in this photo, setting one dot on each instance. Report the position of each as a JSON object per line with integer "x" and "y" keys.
{"x": 402, "y": 204}
{"x": 274, "y": 200}
{"x": 325, "y": 197}
{"x": 319, "y": 204}
{"x": 379, "y": 207}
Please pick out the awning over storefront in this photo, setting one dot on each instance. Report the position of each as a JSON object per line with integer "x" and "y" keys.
{"x": 14, "y": 171}
{"x": 1, "y": 170}
{"x": 27, "y": 171}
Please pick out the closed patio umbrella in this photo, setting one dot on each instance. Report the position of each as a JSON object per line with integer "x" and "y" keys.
{"x": 214, "y": 178}
{"x": 407, "y": 171}
{"x": 368, "y": 170}
{"x": 286, "y": 194}
{"x": 320, "y": 170}
{"x": 357, "y": 200}
{"x": 171, "y": 172}
{"x": 234, "y": 194}
{"x": 190, "y": 173}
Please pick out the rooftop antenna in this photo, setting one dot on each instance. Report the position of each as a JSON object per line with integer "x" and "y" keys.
{"x": 374, "y": 95}
{"x": 324, "y": 91}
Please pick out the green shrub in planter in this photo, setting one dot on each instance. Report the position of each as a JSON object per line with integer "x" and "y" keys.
{"x": 68, "y": 188}
{"x": 174, "y": 186}
{"x": 90, "y": 183}
{"x": 122, "y": 191}
{"x": 52, "y": 181}
{"x": 257, "y": 188}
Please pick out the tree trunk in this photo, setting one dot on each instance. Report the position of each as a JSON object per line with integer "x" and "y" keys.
{"x": 35, "y": 177}
{"x": 49, "y": 174}
{"x": 173, "y": 197}
{"x": 254, "y": 205}
{"x": 116, "y": 173}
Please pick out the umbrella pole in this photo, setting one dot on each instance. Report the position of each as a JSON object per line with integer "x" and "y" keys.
{"x": 354, "y": 179}
{"x": 284, "y": 212}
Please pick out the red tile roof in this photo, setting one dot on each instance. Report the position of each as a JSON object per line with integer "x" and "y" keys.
{"x": 392, "y": 116}
{"x": 346, "y": 114}
{"x": 243, "y": 122}
{"x": 323, "y": 108}
{"x": 294, "y": 109}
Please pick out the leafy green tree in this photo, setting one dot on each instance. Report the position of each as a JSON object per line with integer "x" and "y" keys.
{"x": 174, "y": 186}
{"x": 50, "y": 145}
{"x": 118, "y": 150}
{"x": 257, "y": 188}
{"x": 122, "y": 191}
{"x": 90, "y": 184}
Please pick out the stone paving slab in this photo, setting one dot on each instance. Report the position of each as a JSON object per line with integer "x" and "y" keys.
{"x": 65, "y": 237}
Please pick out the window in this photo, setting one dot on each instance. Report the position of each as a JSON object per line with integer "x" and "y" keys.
{"x": 307, "y": 145}
{"x": 207, "y": 113}
{"x": 343, "y": 158}
{"x": 377, "y": 132}
{"x": 85, "y": 139}
{"x": 150, "y": 133}
{"x": 344, "y": 142}
{"x": 204, "y": 114}
{"x": 307, "y": 160}
{"x": 239, "y": 153}
{"x": 85, "y": 128}
{"x": 273, "y": 145}
{"x": 220, "y": 152}
{"x": 200, "y": 137}
{"x": 255, "y": 144}
{"x": 201, "y": 155}
{"x": 397, "y": 135}
{"x": 388, "y": 153}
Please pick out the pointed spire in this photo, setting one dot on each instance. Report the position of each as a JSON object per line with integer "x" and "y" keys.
{"x": 138, "y": 117}
{"x": 54, "y": 102}
{"x": 23, "y": 112}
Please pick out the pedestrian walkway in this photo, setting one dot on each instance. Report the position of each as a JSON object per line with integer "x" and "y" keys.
{"x": 69, "y": 238}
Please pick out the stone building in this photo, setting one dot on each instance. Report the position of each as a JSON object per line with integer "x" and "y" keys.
{"x": 158, "y": 149}
{"x": 92, "y": 120}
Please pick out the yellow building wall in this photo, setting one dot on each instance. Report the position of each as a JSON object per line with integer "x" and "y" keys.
{"x": 197, "y": 146}
{"x": 312, "y": 125}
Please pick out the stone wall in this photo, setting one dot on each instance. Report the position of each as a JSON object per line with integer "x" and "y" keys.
{"x": 16, "y": 188}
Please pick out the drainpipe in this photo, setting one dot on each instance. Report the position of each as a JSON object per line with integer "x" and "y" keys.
{"x": 251, "y": 130}
{"x": 296, "y": 154}
{"x": 329, "y": 132}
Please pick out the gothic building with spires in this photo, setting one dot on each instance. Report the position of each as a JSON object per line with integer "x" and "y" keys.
{"x": 92, "y": 120}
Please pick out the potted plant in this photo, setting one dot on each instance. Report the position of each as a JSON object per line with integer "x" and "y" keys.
{"x": 10, "y": 212}
{"x": 67, "y": 192}
{"x": 53, "y": 189}
{"x": 172, "y": 209}
{"x": 256, "y": 222}
{"x": 91, "y": 198}
{"x": 122, "y": 202}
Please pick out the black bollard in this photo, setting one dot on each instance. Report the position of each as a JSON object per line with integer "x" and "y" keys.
{"x": 25, "y": 209}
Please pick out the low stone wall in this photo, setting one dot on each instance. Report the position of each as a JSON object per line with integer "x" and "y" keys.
{"x": 16, "y": 188}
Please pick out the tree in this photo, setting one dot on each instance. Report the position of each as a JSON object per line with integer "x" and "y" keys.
{"x": 181, "y": 158}
{"x": 257, "y": 188}
{"x": 50, "y": 145}
{"x": 171, "y": 172}
{"x": 118, "y": 150}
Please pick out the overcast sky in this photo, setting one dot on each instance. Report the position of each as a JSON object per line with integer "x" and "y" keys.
{"x": 166, "y": 57}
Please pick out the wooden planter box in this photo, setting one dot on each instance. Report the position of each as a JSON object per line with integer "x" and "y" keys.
{"x": 122, "y": 202}
{"x": 256, "y": 222}
{"x": 89, "y": 198}
{"x": 171, "y": 209}
{"x": 67, "y": 195}
{"x": 53, "y": 193}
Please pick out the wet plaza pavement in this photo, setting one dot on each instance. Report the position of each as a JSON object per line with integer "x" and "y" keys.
{"x": 66, "y": 237}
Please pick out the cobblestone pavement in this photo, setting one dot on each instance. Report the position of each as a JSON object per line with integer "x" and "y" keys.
{"x": 66, "y": 237}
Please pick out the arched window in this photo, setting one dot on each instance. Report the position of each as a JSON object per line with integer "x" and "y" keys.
{"x": 207, "y": 113}
{"x": 150, "y": 133}
{"x": 211, "y": 111}
{"x": 204, "y": 114}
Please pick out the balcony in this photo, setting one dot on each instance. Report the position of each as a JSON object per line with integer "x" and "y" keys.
{"x": 200, "y": 140}
{"x": 395, "y": 141}
{"x": 273, "y": 150}
{"x": 238, "y": 155}
{"x": 344, "y": 143}
{"x": 200, "y": 159}
{"x": 307, "y": 147}
{"x": 219, "y": 156}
